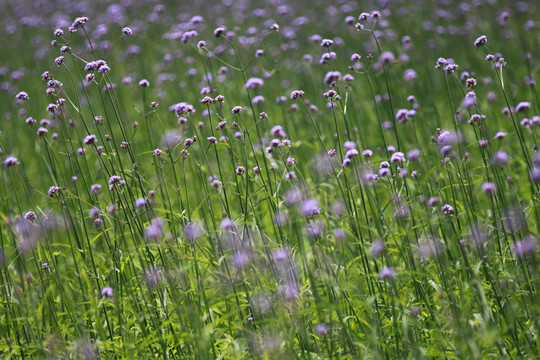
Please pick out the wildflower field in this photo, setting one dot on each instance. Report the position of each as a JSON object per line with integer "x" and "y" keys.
{"x": 233, "y": 179}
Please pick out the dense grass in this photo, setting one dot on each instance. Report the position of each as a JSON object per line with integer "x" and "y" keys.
{"x": 304, "y": 182}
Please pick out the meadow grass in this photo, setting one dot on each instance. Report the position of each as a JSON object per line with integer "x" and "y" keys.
{"x": 238, "y": 180}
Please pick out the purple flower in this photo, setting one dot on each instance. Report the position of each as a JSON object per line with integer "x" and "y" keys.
{"x": 377, "y": 248}
{"x": 80, "y": 21}
{"x": 59, "y": 60}
{"x": 489, "y": 188}
{"x": 413, "y": 155}
{"x": 227, "y": 224}
{"x": 30, "y": 216}
{"x": 447, "y": 209}
{"x": 22, "y": 95}
{"x": 480, "y": 41}
{"x": 140, "y": 202}
{"x": 321, "y": 329}
{"x": 397, "y": 157}
{"x": 355, "y": 57}
{"x": 90, "y": 139}
{"x": 387, "y": 273}
{"x": 114, "y": 179}
{"x": 310, "y": 207}
{"x": 219, "y": 31}
{"x": 387, "y": 57}
{"x": 500, "y": 158}
{"x": 327, "y": 43}
{"x": 258, "y": 99}
{"x": 240, "y": 259}
{"x": 254, "y": 83}
{"x": 53, "y": 190}
{"x": 240, "y": 170}
{"x": 296, "y": 94}
{"x": 155, "y": 230}
{"x": 127, "y": 31}
{"x": 523, "y": 106}
{"x": 315, "y": 230}
{"x": 332, "y": 77}
{"x": 10, "y": 161}
{"x": 107, "y": 292}
{"x": 349, "y": 145}
{"x": 192, "y": 231}
{"x": 527, "y": 247}
{"x": 144, "y": 83}
{"x": 280, "y": 255}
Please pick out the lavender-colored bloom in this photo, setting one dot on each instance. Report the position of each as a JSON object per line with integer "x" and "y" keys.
{"x": 296, "y": 94}
{"x": 236, "y": 110}
{"x": 351, "y": 153}
{"x": 327, "y": 43}
{"x": 192, "y": 231}
{"x": 95, "y": 189}
{"x": 258, "y": 99}
{"x": 480, "y": 41}
{"x": 310, "y": 207}
{"x": 315, "y": 230}
{"x": 355, "y": 57}
{"x": 397, "y": 157}
{"x": 413, "y": 155}
{"x": 387, "y": 57}
{"x": 107, "y": 292}
{"x": 489, "y": 188}
{"x": 384, "y": 172}
{"x": 446, "y": 149}
{"x": 447, "y": 209}
{"x": 402, "y": 115}
{"x": 140, "y": 202}
{"x": 387, "y": 273}
{"x": 367, "y": 153}
{"x": 53, "y": 190}
{"x": 254, "y": 83}
{"x": 240, "y": 259}
{"x": 500, "y": 158}
{"x": 527, "y": 247}
{"x": 500, "y": 135}
{"x": 523, "y": 106}
{"x": 321, "y": 329}
{"x": 10, "y": 161}
{"x": 22, "y": 95}
{"x": 30, "y": 216}
{"x": 349, "y": 145}
{"x": 227, "y": 224}
{"x": 80, "y": 21}
{"x": 332, "y": 77}
{"x": 59, "y": 60}
{"x": 410, "y": 75}
{"x": 90, "y": 139}
{"x": 447, "y": 137}
{"x": 377, "y": 248}
{"x": 144, "y": 83}
{"x": 280, "y": 255}
{"x": 127, "y": 31}
{"x": 155, "y": 230}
